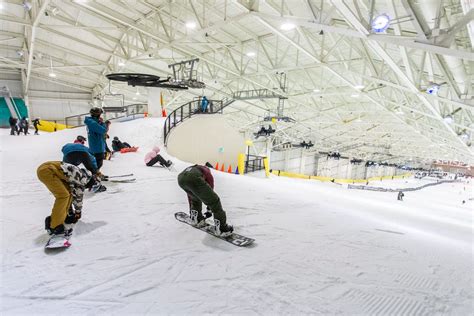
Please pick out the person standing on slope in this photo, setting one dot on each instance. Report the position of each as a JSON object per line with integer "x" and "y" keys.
{"x": 66, "y": 182}
{"x": 36, "y": 123}
{"x": 13, "y": 125}
{"x": 198, "y": 183}
{"x": 96, "y": 132}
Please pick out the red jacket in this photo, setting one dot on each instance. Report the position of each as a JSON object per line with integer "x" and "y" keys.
{"x": 206, "y": 173}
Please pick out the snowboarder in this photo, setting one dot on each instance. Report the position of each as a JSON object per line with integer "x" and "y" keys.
{"x": 198, "y": 183}
{"x": 36, "y": 123}
{"x": 154, "y": 156}
{"x": 400, "y": 196}
{"x": 96, "y": 132}
{"x": 117, "y": 144}
{"x": 13, "y": 128}
{"x": 66, "y": 182}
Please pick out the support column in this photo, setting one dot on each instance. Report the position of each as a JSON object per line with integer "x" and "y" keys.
{"x": 154, "y": 106}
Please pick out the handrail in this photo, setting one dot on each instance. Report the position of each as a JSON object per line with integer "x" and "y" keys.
{"x": 128, "y": 110}
{"x": 254, "y": 163}
{"x": 189, "y": 109}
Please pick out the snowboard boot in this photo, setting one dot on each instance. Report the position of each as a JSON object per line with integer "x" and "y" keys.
{"x": 197, "y": 219}
{"x": 169, "y": 163}
{"x": 223, "y": 230}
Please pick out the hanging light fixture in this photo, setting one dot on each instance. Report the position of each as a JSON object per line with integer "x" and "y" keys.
{"x": 287, "y": 26}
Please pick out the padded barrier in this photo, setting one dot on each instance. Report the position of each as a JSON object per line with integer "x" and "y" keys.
{"x": 47, "y": 126}
{"x": 335, "y": 180}
{"x": 369, "y": 188}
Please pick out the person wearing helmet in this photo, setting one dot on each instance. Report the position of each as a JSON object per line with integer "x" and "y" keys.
{"x": 117, "y": 145}
{"x": 96, "y": 132}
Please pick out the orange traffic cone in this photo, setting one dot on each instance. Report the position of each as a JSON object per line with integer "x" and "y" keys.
{"x": 217, "y": 166}
{"x": 230, "y": 169}
{"x": 222, "y": 168}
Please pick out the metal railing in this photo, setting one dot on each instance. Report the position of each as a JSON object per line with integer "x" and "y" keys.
{"x": 254, "y": 163}
{"x": 191, "y": 108}
{"x": 110, "y": 113}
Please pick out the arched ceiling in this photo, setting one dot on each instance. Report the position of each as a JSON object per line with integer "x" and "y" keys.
{"x": 349, "y": 89}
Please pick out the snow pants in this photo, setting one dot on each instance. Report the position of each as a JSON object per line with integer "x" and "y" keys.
{"x": 199, "y": 191}
{"x": 52, "y": 176}
{"x": 159, "y": 158}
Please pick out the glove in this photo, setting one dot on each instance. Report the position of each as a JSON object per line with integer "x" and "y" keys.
{"x": 91, "y": 182}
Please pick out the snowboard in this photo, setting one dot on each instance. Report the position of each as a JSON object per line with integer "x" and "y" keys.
{"x": 235, "y": 239}
{"x": 56, "y": 242}
{"x": 120, "y": 176}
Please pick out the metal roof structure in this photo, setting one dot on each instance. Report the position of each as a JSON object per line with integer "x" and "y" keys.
{"x": 349, "y": 88}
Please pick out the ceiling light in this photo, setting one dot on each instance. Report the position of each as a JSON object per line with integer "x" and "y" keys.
{"x": 380, "y": 23}
{"x": 51, "y": 71}
{"x": 250, "y": 54}
{"x": 19, "y": 52}
{"x": 287, "y": 26}
{"x": 134, "y": 98}
{"x": 433, "y": 89}
{"x": 359, "y": 86}
{"x": 400, "y": 112}
{"x": 52, "y": 74}
{"x": 1, "y": 5}
{"x": 448, "y": 119}
{"x": 316, "y": 90}
{"x": 355, "y": 95}
{"x": 138, "y": 92}
{"x": 121, "y": 64}
{"x": 190, "y": 25}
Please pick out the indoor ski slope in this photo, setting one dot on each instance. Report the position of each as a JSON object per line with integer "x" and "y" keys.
{"x": 320, "y": 248}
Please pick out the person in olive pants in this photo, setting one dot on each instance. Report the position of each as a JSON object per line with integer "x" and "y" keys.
{"x": 198, "y": 183}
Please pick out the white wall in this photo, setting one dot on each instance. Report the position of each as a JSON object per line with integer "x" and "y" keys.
{"x": 206, "y": 138}
{"x": 297, "y": 160}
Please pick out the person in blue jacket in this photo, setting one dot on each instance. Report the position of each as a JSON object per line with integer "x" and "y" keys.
{"x": 96, "y": 132}
{"x": 204, "y": 104}
{"x": 77, "y": 153}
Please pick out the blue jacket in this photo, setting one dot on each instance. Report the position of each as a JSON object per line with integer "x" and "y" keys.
{"x": 204, "y": 104}
{"x": 76, "y": 147}
{"x": 96, "y": 135}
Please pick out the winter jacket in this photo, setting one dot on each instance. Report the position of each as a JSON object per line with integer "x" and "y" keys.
{"x": 76, "y": 154}
{"x": 152, "y": 154}
{"x": 77, "y": 178}
{"x": 96, "y": 132}
{"x": 117, "y": 145}
{"x": 36, "y": 122}
{"x": 206, "y": 173}
{"x": 12, "y": 121}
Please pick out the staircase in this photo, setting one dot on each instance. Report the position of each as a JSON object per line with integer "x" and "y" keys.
{"x": 190, "y": 109}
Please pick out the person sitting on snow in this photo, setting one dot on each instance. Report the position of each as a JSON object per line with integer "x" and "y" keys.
{"x": 154, "y": 156}
{"x": 117, "y": 145}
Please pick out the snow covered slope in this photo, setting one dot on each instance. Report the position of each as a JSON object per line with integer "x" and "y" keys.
{"x": 320, "y": 248}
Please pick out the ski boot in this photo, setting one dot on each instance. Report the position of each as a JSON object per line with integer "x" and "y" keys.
{"x": 97, "y": 188}
{"x": 196, "y": 220}
{"x": 222, "y": 230}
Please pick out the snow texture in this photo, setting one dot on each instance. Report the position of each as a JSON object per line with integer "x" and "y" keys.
{"x": 320, "y": 248}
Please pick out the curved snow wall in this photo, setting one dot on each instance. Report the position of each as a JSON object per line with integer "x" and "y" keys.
{"x": 206, "y": 138}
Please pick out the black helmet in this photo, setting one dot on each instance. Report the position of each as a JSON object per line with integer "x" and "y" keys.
{"x": 96, "y": 111}
{"x": 81, "y": 138}
{"x": 116, "y": 138}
